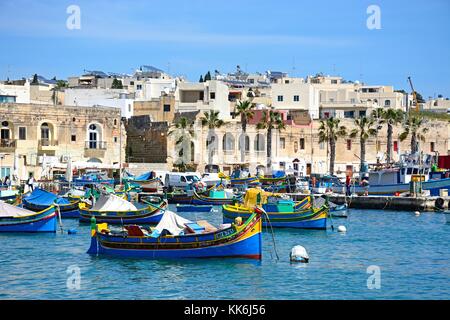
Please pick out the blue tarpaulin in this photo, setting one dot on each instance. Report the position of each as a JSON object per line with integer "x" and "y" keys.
{"x": 143, "y": 177}
{"x": 42, "y": 197}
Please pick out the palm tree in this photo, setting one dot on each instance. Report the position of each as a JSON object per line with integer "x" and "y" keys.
{"x": 211, "y": 120}
{"x": 183, "y": 131}
{"x": 330, "y": 131}
{"x": 413, "y": 126}
{"x": 245, "y": 110}
{"x": 271, "y": 120}
{"x": 364, "y": 129}
{"x": 391, "y": 117}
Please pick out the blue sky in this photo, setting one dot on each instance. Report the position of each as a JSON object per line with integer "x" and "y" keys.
{"x": 190, "y": 37}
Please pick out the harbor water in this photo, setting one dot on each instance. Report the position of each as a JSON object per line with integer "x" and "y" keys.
{"x": 408, "y": 256}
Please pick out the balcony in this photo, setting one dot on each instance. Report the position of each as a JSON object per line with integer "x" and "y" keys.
{"x": 94, "y": 144}
{"x": 7, "y": 145}
{"x": 94, "y": 149}
{"x": 47, "y": 144}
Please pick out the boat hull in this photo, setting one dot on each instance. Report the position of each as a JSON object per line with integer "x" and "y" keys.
{"x": 46, "y": 221}
{"x": 192, "y": 208}
{"x": 143, "y": 216}
{"x": 303, "y": 220}
{"x": 245, "y": 243}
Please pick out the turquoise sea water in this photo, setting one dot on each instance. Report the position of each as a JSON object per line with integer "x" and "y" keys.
{"x": 413, "y": 254}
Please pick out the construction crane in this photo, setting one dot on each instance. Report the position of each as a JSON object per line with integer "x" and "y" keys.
{"x": 414, "y": 94}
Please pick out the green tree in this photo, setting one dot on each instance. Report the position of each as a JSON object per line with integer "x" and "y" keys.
{"x": 330, "y": 131}
{"x": 414, "y": 126}
{"x": 245, "y": 110}
{"x": 271, "y": 120}
{"x": 391, "y": 117}
{"x": 364, "y": 130}
{"x": 116, "y": 84}
{"x": 211, "y": 120}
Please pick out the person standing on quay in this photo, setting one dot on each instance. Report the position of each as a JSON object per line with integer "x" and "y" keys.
{"x": 347, "y": 185}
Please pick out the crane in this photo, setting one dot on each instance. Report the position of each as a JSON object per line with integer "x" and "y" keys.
{"x": 414, "y": 94}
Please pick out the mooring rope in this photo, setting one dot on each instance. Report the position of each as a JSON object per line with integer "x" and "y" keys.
{"x": 273, "y": 236}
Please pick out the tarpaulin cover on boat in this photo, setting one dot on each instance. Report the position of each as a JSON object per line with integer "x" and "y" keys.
{"x": 112, "y": 202}
{"x": 76, "y": 193}
{"x": 171, "y": 222}
{"x": 7, "y": 210}
{"x": 143, "y": 177}
{"x": 43, "y": 197}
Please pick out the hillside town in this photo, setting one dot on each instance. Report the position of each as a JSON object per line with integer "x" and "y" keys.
{"x": 107, "y": 120}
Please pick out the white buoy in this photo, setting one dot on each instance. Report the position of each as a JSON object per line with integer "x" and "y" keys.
{"x": 342, "y": 229}
{"x": 417, "y": 213}
{"x": 299, "y": 254}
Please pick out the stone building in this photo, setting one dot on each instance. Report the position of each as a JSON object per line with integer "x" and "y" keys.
{"x": 37, "y": 138}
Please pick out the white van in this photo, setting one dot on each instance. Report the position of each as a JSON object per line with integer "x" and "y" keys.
{"x": 180, "y": 179}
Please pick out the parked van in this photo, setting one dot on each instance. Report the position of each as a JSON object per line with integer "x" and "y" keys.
{"x": 180, "y": 179}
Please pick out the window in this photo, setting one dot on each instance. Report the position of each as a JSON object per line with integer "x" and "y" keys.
{"x": 251, "y": 80}
{"x": 22, "y": 133}
{"x": 333, "y": 81}
{"x": 129, "y": 107}
{"x": 115, "y": 122}
{"x": 259, "y": 142}
{"x": 349, "y": 144}
{"x": 387, "y": 103}
{"x": 139, "y": 87}
{"x": 280, "y": 98}
{"x": 132, "y": 83}
{"x": 212, "y": 95}
{"x": 352, "y": 100}
{"x": 73, "y": 138}
{"x": 228, "y": 142}
{"x": 362, "y": 113}
{"x": 322, "y": 145}
{"x": 282, "y": 143}
{"x": 349, "y": 114}
{"x": 431, "y": 146}
{"x": 302, "y": 143}
{"x": 166, "y": 108}
{"x": 296, "y": 98}
{"x": 115, "y": 139}
{"x": 286, "y": 81}
{"x": 396, "y": 146}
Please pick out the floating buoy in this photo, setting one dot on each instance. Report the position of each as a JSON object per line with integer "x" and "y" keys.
{"x": 342, "y": 229}
{"x": 417, "y": 213}
{"x": 299, "y": 254}
{"x": 72, "y": 231}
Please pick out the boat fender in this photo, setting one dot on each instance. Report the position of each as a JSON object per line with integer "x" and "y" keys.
{"x": 342, "y": 229}
{"x": 439, "y": 203}
{"x": 72, "y": 231}
{"x": 299, "y": 254}
{"x": 417, "y": 213}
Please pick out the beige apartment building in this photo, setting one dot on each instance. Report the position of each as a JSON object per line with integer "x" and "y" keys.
{"x": 40, "y": 139}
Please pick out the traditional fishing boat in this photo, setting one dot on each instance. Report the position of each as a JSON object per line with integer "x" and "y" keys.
{"x": 148, "y": 182}
{"x": 218, "y": 196}
{"x": 16, "y": 219}
{"x": 115, "y": 210}
{"x": 7, "y": 194}
{"x": 280, "y": 212}
{"x": 175, "y": 237}
{"x": 93, "y": 178}
{"x": 41, "y": 199}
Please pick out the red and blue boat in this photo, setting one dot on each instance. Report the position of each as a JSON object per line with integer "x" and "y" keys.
{"x": 191, "y": 240}
{"x": 16, "y": 219}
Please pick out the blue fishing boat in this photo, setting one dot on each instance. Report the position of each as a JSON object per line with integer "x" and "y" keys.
{"x": 93, "y": 178}
{"x": 148, "y": 182}
{"x": 281, "y": 212}
{"x": 338, "y": 211}
{"x": 7, "y": 194}
{"x": 115, "y": 210}
{"x": 194, "y": 208}
{"x": 40, "y": 199}
{"x": 16, "y": 219}
{"x": 175, "y": 238}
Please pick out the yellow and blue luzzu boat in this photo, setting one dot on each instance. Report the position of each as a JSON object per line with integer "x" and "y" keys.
{"x": 281, "y": 213}
{"x": 242, "y": 241}
{"x": 16, "y": 219}
{"x": 115, "y": 210}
